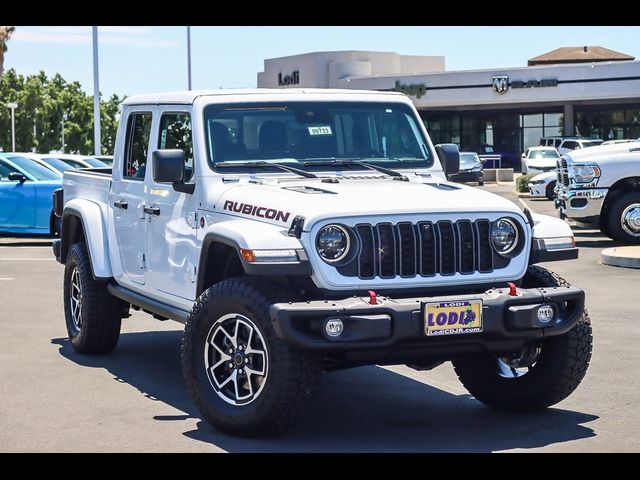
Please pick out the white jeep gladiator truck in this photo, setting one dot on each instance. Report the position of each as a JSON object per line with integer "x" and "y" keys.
{"x": 299, "y": 231}
{"x": 600, "y": 187}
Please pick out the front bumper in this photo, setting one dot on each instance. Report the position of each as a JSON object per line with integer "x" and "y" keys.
{"x": 467, "y": 176}
{"x": 396, "y": 324}
{"x": 537, "y": 190}
{"x": 582, "y": 205}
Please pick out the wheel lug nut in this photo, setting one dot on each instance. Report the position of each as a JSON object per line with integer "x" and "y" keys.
{"x": 246, "y": 359}
{"x": 230, "y": 351}
{"x": 241, "y": 347}
{"x": 230, "y": 364}
{"x": 241, "y": 371}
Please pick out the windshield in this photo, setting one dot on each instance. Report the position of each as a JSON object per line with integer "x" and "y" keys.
{"x": 34, "y": 169}
{"x": 469, "y": 159}
{"x": 57, "y": 164}
{"x": 543, "y": 154}
{"x": 308, "y": 132}
{"x": 94, "y": 162}
{"x": 73, "y": 163}
{"x": 590, "y": 143}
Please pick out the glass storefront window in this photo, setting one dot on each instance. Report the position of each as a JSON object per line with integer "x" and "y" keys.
{"x": 553, "y": 119}
{"x": 534, "y": 120}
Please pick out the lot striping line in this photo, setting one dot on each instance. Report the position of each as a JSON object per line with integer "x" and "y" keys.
{"x": 524, "y": 204}
{"x": 5, "y": 278}
{"x": 25, "y": 259}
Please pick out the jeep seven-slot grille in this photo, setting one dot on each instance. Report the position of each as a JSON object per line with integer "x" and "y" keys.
{"x": 424, "y": 248}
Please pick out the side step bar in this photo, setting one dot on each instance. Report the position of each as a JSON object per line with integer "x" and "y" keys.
{"x": 148, "y": 304}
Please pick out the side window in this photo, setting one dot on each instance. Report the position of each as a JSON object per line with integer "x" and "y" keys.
{"x": 175, "y": 133}
{"x": 5, "y": 170}
{"x": 557, "y": 143}
{"x": 137, "y": 145}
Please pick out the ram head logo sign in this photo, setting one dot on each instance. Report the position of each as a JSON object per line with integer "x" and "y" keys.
{"x": 500, "y": 84}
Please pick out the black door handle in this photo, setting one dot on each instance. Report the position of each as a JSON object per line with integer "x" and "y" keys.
{"x": 122, "y": 204}
{"x": 151, "y": 210}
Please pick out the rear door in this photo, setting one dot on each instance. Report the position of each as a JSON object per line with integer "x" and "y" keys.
{"x": 127, "y": 195}
{"x": 17, "y": 200}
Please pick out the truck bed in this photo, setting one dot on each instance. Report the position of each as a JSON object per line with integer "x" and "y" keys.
{"x": 87, "y": 183}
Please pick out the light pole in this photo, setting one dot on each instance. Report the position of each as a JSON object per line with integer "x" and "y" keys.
{"x": 189, "y": 57}
{"x": 96, "y": 96}
{"x": 35, "y": 120}
{"x": 13, "y": 106}
{"x": 64, "y": 117}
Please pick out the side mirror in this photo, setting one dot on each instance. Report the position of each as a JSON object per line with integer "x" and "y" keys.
{"x": 17, "y": 177}
{"x": 168, "y": 166}
{"x": 449, "y": 156}
{"x": 523, "y": 156}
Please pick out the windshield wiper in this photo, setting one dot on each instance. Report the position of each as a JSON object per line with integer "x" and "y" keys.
{"x": 286, "y": 168}
{"x": 347, "y": 162}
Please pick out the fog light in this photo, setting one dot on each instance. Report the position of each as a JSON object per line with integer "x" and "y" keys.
{"x": 334, "y": 327}
{"x": 545, "y": 313}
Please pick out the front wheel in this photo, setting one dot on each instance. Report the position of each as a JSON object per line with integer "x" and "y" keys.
{"x": 542, "y": 374}
{"x": 241, "y": 376}
{"x": 623, "y": 219}
{"x": 550, "y": 191}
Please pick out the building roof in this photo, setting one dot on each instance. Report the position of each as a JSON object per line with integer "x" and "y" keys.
{"x": 579, "y": 55}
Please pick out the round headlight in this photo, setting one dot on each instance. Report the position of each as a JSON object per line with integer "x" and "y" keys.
{"x": 504, "y": 236}
{"x": 333, "y": 243}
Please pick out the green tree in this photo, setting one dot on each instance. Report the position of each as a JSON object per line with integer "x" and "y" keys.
{"x": 5, "y": 35}
{"x": 42, "y": 103}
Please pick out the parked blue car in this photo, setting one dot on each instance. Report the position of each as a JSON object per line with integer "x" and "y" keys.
{"x": 26, "y": 189}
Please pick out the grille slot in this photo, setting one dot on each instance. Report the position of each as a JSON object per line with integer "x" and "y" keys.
{"x": 424, "y": 248}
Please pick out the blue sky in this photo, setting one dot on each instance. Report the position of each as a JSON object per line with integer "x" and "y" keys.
{"x": 148, "y": 59}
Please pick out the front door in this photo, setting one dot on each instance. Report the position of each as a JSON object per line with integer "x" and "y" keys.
{"x": 171, "y": 231}
{"x": 127, "y": 196}
{"x": 17, "y": 201}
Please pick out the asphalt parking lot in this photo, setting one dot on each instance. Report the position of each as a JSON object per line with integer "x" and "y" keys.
{"x": 53, "y": 399}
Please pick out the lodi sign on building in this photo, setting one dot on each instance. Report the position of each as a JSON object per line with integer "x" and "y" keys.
{"x": 292, "y": 79}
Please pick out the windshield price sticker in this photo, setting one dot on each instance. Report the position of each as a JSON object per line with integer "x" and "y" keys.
{"x": 320, "y": 130}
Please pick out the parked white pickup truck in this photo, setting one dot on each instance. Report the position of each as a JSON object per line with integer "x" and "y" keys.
{"x": 296, "y": 231}
{"x": 600, "y": 186}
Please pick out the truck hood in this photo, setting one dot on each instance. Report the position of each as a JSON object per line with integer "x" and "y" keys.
{"x": 606, "y": 153}
{"x": 279, "y": 203}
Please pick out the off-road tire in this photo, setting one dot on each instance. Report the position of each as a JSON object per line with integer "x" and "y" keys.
{"x": 614, "y": 218}
{"x": 292, "y": 373}
{"x": 101, "y": 312}
{"x": 558, "y": 371}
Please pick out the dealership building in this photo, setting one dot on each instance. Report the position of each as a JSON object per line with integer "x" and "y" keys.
{"x": 586, "y": 91}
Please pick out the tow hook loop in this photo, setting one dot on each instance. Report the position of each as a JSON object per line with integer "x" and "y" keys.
{"x": 513, "y": 292}
{"x": 373, "y": 298}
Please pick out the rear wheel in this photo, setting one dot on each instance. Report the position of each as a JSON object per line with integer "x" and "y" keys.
{"x": 92, "y": 314}
{"x": 542, "y": 374}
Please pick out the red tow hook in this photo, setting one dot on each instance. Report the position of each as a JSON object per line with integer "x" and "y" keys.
{"x": 373, "y": 298}
{"x": 513, "y": 292}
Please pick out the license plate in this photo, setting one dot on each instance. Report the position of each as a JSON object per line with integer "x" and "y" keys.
{"x": 453, "y": 318}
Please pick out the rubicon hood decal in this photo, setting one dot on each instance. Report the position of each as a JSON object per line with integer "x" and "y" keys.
{"x": 256, "y": 211}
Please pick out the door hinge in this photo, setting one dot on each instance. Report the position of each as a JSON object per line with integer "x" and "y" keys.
{"x": 192, "y": 220}
{"x": 192, "y": 274}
